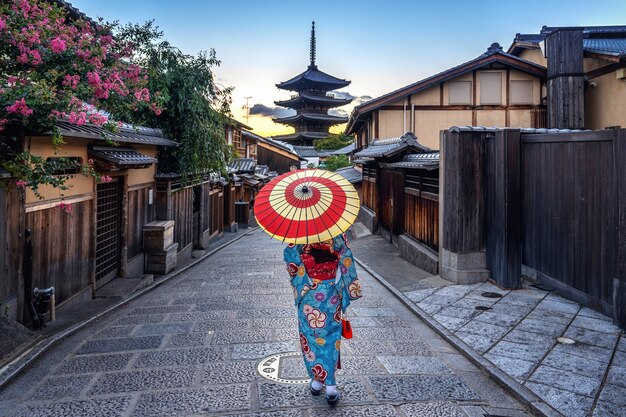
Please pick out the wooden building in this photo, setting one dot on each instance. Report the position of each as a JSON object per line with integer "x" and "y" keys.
{"x": 400, "y": 197}
{"x": 278, "y": 156}
{"x": 494, "y": 89}
{"x": 586, "y": 72}
{"x": 91, "y": 233}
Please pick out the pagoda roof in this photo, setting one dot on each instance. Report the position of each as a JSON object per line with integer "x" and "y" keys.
{"x": 302, "y": 98}
{"x": 314, "y": 117}
{"x": 302, "y": 136}
{"x": 313, "y": 79}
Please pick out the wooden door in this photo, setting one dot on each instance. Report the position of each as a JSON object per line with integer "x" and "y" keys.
{"x": 108, "y": 230}
{"x": 391, "y": 200}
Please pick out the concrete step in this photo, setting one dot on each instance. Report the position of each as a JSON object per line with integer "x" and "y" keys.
{"x": 124, "y": 287}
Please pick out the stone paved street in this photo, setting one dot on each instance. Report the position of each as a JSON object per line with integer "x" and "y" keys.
{"x": 192, "y": 347}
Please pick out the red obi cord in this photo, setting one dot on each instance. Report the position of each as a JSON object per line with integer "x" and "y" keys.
{"x": 320, "y": 261}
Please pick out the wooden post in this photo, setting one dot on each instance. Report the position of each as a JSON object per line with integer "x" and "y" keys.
{"x": 619, "y": 281}
{"x": 504, "y": 241}
{"x": 462, "y": 248}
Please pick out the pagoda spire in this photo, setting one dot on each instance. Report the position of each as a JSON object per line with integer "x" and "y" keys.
{"x": 313, "y": 45}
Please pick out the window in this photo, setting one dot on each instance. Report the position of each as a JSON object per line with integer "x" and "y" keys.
{"x": 460, "y": 92}
{"x": 490, "y": 88}
{"x": 522, "y": 92}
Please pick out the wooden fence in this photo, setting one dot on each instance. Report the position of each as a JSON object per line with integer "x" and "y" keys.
{"x": 11, "y": 242}
{"x": 368, "y": 188}
{"x": 421, "y": 206}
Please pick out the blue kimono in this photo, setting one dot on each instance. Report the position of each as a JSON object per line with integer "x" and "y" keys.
{"x": 321, "y": 301}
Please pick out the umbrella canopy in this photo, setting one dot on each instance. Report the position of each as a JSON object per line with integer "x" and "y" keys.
{"x": 306, "y": 206}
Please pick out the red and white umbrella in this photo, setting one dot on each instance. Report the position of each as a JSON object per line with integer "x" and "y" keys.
{"x": 306, "y": 206}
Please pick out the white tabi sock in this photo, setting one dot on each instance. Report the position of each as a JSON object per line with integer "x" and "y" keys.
{"x": 316, "y": 385}
{"x": 331, "y": 390}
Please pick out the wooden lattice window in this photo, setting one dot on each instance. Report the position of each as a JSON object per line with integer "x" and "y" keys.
{"x": 108, "y": 228}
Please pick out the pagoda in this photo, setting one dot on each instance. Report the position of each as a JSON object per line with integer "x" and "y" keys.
{"x": 311, "y": 103}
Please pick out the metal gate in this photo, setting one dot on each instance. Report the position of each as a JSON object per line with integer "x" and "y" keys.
{"x": 108, "y": 231}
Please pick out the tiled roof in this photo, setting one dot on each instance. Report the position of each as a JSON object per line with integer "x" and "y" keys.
{"x": 324, "y": 153}
{"x": 124, "y": 157}
{"x": 306, "y": 151}
{"x": 351, "y": 174}
{"x": 141, "y": 135}
{"x": 291, "y": 137}
{"x": 603, "y": 40}
{"x": 243, "y": 165}
{"x": 310, "y": 98}
{"x": 495, "y": 129}
{"x": 345, "y": 150}
{"x": 313, "y": 77}
{"x": 269, "y": 141}
{"x": 318, "y": 117}
{"x": 387, "y": 147}
{"x": 427, "y": 161}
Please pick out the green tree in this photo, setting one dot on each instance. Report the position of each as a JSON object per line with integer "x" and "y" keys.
{"x": 194, "y": 109}
{"x": 332, "y": 142}
{"x": 333, "y": 163}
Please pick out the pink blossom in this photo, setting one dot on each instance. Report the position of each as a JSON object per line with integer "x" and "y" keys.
{"x": 142, "y": 95}
{"x": 19, "y": 107}
{"x": 106, "y": 178}
{"x": 71, "y": 81}
{"x": 21, "y": 184}
{"x": 58, "y": 45}
{"x": 78, "y": 118}
{"x": 97, "y": 119}
{"x": 93, "y": 78}
{"x": 106, "y": 40}
{"x": 65, "y": 207}
{"x": 3, "y": 122}
{"x": 2, "y": 24}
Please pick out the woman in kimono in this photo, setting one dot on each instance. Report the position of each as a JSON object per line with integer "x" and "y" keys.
{"x": 324, "y": 280}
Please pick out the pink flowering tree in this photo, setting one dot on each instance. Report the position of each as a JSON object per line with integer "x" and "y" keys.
{"x": 55, "y": 65}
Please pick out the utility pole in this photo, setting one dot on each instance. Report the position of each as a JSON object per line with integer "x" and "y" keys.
{"x": 247, "y": 108}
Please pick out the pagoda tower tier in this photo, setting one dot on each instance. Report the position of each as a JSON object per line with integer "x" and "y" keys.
{"x": 311, "y": 103}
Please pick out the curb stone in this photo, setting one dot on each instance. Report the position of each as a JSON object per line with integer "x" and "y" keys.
{"x": 23, "y": 360}
{"x": 520, "y": 392}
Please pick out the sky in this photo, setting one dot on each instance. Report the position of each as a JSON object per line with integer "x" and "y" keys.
{"x": 379, "y": 46}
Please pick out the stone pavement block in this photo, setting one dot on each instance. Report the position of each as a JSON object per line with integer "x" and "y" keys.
{"x": 472, "y": 411}
{"x": 153, "y": 379}
{"x": 189, "y": 340}
{"x": 558, "y": 378}
{"x": 568, "y": 403}
{"x": 621, "y": 346}
{"x": 615, "y": 394}
{"x": 163, "y": 328}
{"x": 472, "y": 303}
{"x": 283, "y": 395}
{"x": 159, "y": 310}
{"x": 215, "y": 325}
{"x": 260, "y": 350}
{"x": 432, "y": 409}
{"x": 459, "y": 312}
{"x": 517, "y": 368}
{"x": 559, "y": 359}
{"x": 352, "y": 365}
{"x": 411, "y": 347}
{"x": 617, "y": 375}
{"x": 518, "y": 350}
{"x": 418, "y": 295}
{"x": 283, "y": 335}
{"x": 450, "y": 323}
{"x": 275, "y": 413}
{"x": 479, "y": 343}
{"x": 115, "y": 331}
{"x": 414, "y": 365}
{"x": 356, "y": 411}
{"x": 229, "y": 372}
{"x": 122, "y": 344}
{"x": 266, "y": 313}
{"x": 292, "y": 367}
{"x": 372, "y": 302}
{"x": 599, "y": 354}
{"x": 420, "y": 388}
{"x": 458, "y": 291}
{"x": 549, "y": 317}
{"x": 378, "y": 333}
{"x": 524, "y": 297}
{"x": 357, "y": 322}
{"x": 104, "y": 407}
{"x": 198, "y": 401}
{"x": 430, "y": 309}
{"x": 603, "y": 409}
{"x": 177, "y": 357}
{"x": 371, "y": 311}
{"x": 389, "y": 321}
{"x": 442, "y": 300}
{"x": 225, "y": 337}
{"x": 521, "y": 336}
{"x": 485, "y": 329}
{"x": 202, "y": 316}
{"x": 587, "y": 312}
{"x": 498, "y": 319}
{"x": 511, "y": 310}
{"x": 91, "y": 364}
{"x": 619, "y": 359}
{"x": 591, "y": 337}
{"x": 141, "y": 319}
{"x": 290, "y": 322}
{"x": 505, "y": 412}
{"x": 594, "y": 324}
{"x": 61, "y": 387}
{"x": 559, "y": 306}
{"x": 541, "y": 327}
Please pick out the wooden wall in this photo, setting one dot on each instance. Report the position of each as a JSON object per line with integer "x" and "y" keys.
{"x": 63, "y": 248}
{"x": 139, "y": 214}
{"x": 421, "y": 206}
{"x": 182, "y": 204}
{"x": 368, "y": 188}
{"x": 11, "y": 225}
{"x": 276, "y": 162}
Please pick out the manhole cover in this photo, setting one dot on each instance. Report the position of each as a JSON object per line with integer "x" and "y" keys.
{"x": 565, "y": 340}
{"x": 491, "y": 295}
{"x": 482, "y": 308}
{"x": 269, "y": 368}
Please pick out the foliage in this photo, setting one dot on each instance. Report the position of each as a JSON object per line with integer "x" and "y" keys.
{"x": 194, "y": 110}
{"x": 53, "y": 67}
{"x": 333, "y": 163}
{"x": 332, "y": 142}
